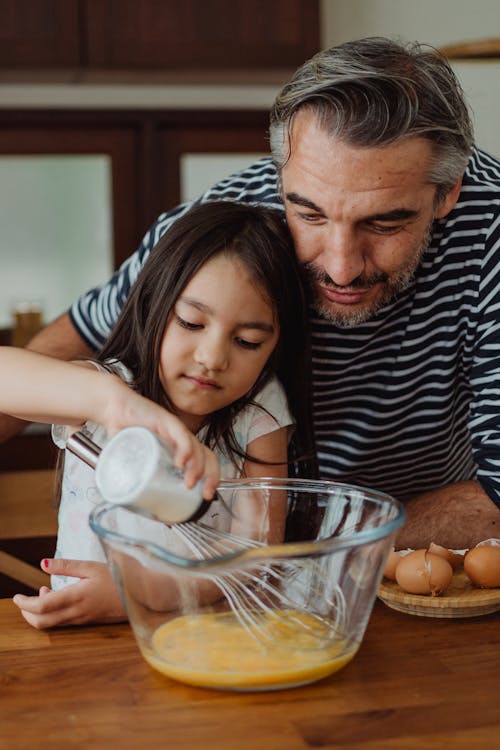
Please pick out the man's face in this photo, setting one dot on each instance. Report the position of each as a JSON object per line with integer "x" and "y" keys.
{"x": 361, "y": 218}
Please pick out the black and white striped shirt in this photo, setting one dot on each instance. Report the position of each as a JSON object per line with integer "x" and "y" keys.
{"x": 410, "y": 400}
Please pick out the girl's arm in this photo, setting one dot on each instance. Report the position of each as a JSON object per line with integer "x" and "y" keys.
{"x": 42, "y": 389}
{"x": 272, "y": 448}
{"x": 254, "y": 514}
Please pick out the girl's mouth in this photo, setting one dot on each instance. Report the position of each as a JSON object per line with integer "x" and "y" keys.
{"x": 203, "y": 382}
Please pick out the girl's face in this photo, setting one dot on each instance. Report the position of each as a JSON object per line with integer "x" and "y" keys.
{"x": 217, "y": 340}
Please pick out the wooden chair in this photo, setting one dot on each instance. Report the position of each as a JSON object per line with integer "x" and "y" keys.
{"x": 28, "y": 529}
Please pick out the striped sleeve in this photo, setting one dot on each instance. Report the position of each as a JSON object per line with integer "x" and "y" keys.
{"x": 484, "y": 421}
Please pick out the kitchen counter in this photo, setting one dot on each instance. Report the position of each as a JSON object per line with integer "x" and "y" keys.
{"x": 415, "y": 683}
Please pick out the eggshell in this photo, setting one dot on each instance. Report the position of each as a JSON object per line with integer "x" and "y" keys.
{"x": 422, "y": 572}
{"x": 482, "y": 565}
{"x": 455, "y": 560}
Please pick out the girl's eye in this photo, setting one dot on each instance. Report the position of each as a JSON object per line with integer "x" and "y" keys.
{"x": 248, "y": 344}
{"x": 187, "y": 324}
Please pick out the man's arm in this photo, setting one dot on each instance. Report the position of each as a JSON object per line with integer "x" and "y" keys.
{"x": 61, "y": 340}
{"x": 58, "y": 339}
{"x": 457, "y": 516}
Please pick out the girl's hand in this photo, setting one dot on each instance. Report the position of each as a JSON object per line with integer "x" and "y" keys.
{"x": 94, "y": 599}
{"x": 126, "y": 408}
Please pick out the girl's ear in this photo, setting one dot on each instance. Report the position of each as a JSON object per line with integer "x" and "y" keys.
{"x": 449, "y": 200}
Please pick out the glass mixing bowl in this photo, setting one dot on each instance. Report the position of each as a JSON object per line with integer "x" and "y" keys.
{"x": 273, "y": 588}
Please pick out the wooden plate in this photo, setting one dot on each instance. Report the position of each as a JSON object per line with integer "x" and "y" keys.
{"x": 461, "y": 599}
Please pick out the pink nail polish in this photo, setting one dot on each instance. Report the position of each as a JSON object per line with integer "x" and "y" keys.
{"x": 45, "y": 564}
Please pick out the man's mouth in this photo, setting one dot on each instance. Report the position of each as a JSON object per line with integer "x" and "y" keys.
{"x": 355, "y": 293}
{"x": 343, "y": 296}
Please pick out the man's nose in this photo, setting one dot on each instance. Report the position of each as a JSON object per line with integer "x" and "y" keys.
{"x": 342, "y": 257}
{"x": 212, "y": 352}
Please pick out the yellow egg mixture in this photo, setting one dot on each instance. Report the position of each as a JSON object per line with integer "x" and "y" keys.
{"x": 214, "y": 650}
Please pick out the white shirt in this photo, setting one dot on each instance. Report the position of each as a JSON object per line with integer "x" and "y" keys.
{"x": 79, "y": 494}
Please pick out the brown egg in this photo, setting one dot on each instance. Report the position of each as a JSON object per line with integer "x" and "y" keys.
{"x": 482, "y": 565}
{"x": 489, "y": 543}
{"x": 453, "y": 558}
{"x": 421, "y": 572}
{"x": 391, "y": 564}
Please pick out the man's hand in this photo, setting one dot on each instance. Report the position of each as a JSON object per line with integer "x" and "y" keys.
{"x": 457, "y": 516}
{"x": 94, "y": 599}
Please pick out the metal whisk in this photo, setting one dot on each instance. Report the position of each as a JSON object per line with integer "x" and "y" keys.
{"x": 269, "y": 600}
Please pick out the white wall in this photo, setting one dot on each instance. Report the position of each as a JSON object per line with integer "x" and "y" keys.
{"x": 481, "y": 84}
{"x": 435, "y": 22}
{"x": 56, "y": 237}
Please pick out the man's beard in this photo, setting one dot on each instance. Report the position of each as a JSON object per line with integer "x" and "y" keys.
{"x": 392, "y": 285}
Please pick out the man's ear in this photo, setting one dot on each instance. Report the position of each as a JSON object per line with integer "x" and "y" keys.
{"x": 448, "y": 202}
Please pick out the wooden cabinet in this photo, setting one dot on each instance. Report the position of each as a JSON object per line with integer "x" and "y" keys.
{"x": 39, "y": 33}
{"x": 200, "y": 33}
{"x": 163, "y": 35}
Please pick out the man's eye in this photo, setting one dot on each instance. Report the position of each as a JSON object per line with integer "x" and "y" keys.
{"x": 385, "y": 228}
{"x": 248, "y": 344}
{"x": 310, "y": 218}
{"x": 186, "y": 324}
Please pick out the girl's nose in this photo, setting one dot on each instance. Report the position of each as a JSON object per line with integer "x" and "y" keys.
{"x": 212, "y": 353}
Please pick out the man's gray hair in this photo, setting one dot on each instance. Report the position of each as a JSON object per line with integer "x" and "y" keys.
{"x": 375, "y": 92}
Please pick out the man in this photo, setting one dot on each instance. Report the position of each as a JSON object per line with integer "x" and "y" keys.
{"x": 396, "y": 217}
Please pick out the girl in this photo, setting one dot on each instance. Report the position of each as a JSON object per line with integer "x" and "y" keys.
{"x": 217, "y": 312}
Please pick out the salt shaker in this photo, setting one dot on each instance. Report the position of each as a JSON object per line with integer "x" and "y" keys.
{"x": 135, "y": 468}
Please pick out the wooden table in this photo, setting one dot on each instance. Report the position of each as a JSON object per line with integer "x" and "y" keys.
{"x": 415, "y": 683}
{"x": 27, "y": 504}
{"x": 28, "y": 526}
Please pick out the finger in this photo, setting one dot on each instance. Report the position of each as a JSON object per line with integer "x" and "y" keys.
{"x": 192, "y": 472}
{"x": 201, "y": 464}
{"x": 206, "y": 468}
{"x": 183, "y": 451}
{"x": 72, "y": 568}
{"x": 182, "y": 443}
{"x": 211, "y": 474}
{"x": 42, "y": 619}
{"x": 209, "y": 489}
{"x": 43, "y": 622}
{"x": 49, "y": 602}
{"x": 58, "y": 618}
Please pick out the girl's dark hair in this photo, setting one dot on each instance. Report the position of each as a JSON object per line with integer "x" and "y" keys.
{"x": 259, "y": 238}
